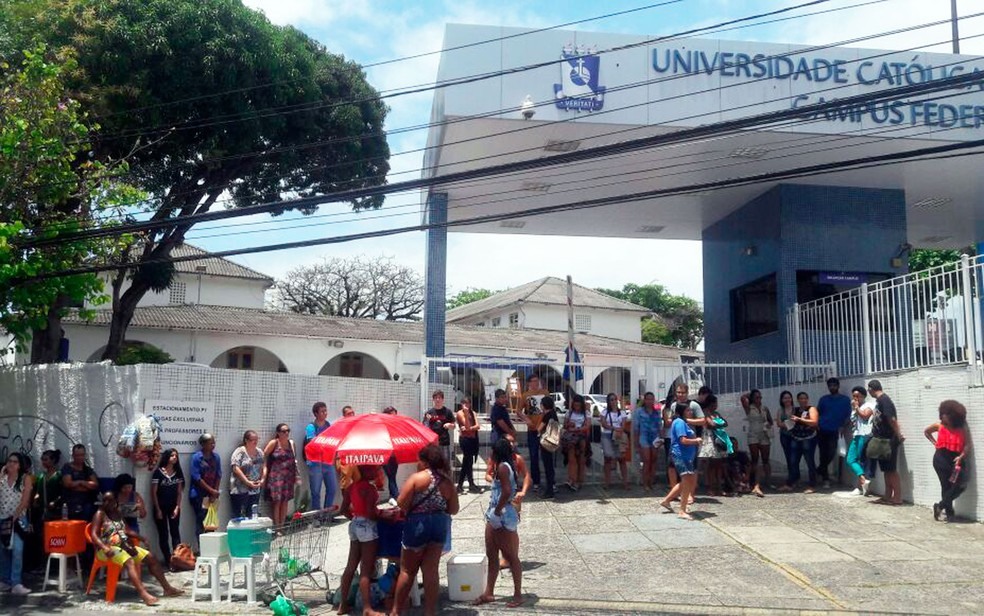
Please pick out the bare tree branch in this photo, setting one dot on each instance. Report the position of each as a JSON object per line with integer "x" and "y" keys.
{"x": 361, "y": 287}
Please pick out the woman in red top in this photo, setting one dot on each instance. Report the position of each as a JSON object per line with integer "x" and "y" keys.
{"x": 359, "y": 505}
{"x": 952, "y": 440}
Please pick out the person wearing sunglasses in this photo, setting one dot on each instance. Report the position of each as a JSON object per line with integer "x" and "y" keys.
{"x": 282, "y": 475}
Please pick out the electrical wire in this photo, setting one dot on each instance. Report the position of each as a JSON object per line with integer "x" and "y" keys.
{"x": 929, "y": 153}
{"x": 475, "y": 78}
{"x": 379, "y": 63}
{"x": 677, "y": 137}
{"x": 800, "y": 51}
{"x": 549, "y": 102}
{"x": 618, "y": 179}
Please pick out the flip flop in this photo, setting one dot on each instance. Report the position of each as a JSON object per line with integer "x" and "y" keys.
{"x": 514, "y": 603}
{"x": 483, "y": 599}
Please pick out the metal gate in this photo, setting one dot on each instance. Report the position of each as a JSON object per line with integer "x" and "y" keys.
{"x": 476, "y": 378}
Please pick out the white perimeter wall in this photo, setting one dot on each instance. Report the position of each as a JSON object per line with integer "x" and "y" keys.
{"x": 917, "y": 396}
{"x": 55, "y": 406}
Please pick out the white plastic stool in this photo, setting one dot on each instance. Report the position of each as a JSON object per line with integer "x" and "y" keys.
{"x": 248, "y": 564}
{"x": 62, "y": 560}
{"x": 214, "y": 580}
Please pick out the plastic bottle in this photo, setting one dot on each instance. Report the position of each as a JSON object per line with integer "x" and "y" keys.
{"x": 955, "y": 475}
{"x": 256, "y": 511}
{"x": 64, "y": 511}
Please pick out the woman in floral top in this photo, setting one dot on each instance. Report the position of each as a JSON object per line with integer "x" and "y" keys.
{"x": 248, "y": 475}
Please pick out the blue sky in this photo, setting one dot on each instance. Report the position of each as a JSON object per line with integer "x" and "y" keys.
{"x": 374, "y": 30}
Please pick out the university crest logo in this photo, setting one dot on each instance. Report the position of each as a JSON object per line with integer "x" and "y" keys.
{"x": 578, "y": 89}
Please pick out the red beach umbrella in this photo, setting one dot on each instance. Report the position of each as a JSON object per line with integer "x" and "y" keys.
{"x": 370, "y": 439}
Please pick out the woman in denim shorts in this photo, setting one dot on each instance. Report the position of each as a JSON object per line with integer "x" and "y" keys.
{"x": 502, "y": 525}
{"x": 359, "y": 505}
{"x": 429, "y": 498}
{"x": 684, "y": 443}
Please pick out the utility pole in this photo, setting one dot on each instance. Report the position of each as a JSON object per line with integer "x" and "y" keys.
{"x": 956, "y": 31}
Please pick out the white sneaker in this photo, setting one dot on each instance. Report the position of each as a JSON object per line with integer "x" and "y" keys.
{"x": 856, "y": 492}
{"x": 4, "y": 587}
{"x": 20, "y": 589}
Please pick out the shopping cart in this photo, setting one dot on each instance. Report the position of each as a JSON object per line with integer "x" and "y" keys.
{"x": 298, "y": 552}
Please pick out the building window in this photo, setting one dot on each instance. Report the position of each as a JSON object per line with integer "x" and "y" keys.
{"x": 239, "y": 360}
{"x": 480, "y": 324}
{"x": 514, "y": 320}
{"x": 755, "y": 308}
{"x": 179, "y": 292}
{"x": 350, "y": 366}
{"x": 582, "y": 322}
{"x": 497, "y": 322}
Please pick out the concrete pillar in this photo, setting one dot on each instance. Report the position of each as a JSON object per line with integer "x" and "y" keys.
{"x": 436, "y": 212}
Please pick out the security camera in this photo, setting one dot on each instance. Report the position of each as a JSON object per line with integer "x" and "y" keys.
{"x": 528, "y": 109}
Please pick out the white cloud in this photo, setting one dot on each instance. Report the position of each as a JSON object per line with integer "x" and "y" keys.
{"x": 373, "y": 31}
{"x": 301, "y": 12}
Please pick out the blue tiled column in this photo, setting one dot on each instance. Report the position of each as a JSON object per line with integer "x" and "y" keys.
{"x": 436, "y": 275}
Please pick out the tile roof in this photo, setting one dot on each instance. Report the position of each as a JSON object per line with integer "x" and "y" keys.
{"x": 256, "y": 322}
{"x": 549, "y": 291}
{"x": 214, "y": 266}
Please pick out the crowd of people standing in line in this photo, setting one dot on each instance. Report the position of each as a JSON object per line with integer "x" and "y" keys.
{"x": 691, "y": 433}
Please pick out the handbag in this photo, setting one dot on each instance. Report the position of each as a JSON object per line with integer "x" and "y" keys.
{"x": 183, "y": 559}
{"x": 550, "y": 439}
{"x": 879, "y": 448}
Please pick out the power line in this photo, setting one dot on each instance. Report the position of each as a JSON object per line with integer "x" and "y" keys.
{"x": 618, "y": 180}
{"x": 681, "y": 136}
{"x": 494, "y": 113}
{"x": 627, "y": 86}
{"x": 943, "y": 151}
{"x": 470, "y": 79}
{"x": 396, "y": 60}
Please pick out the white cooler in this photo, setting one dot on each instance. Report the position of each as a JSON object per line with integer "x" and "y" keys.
{"x": 466, "y": 576}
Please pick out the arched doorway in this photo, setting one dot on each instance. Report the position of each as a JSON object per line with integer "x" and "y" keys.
{"x": 468, "y": 384}
{"x": 249, "y": 358}
{"x": 550, "y": 378}
{"x": 617, "y": 380}
{"x": 355, "y": 365}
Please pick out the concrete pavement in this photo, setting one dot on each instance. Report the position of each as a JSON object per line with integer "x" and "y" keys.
{"x": 598, "y": 551}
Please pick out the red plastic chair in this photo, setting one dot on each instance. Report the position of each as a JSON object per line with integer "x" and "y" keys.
{"x": 112, "y": 571}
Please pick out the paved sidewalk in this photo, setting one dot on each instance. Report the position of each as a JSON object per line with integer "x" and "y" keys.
{"x": 612, "y": 552}
{"x": 599, "y": 550}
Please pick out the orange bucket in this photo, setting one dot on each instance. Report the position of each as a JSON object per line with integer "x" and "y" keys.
{"x": 64, "y": 536}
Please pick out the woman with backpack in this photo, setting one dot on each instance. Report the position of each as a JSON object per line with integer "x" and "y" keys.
{"x": 614, "y": 441}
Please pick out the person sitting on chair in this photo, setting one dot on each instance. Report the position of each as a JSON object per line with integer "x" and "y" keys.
{"x": 114, "y": 543}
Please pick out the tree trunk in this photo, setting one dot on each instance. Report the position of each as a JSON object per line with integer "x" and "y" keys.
{"x": 46, "y": 343}
{"x": 122, "y": 315}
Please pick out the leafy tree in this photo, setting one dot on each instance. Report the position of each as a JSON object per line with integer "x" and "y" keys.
{"x": 925, "y": 258}
{"x": 678, "y": 320}
{"x": 138, "y": 353}
{"x": 468, "y": 296}
{"x": 208, "y": 99}
{"x": 360, "y": 287}
{"x": 48, "y": 189}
